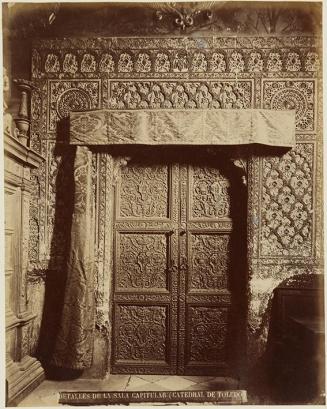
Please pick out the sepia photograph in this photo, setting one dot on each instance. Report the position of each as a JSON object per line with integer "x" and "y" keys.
{"x": 163, "y": 203}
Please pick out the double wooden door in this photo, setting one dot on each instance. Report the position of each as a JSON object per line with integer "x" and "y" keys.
{"x": 171, "y": 303}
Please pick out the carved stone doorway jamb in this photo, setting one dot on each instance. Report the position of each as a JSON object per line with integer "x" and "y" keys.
{"x": 106, "y": 170}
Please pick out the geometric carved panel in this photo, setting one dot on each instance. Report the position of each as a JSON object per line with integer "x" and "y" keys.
{"x": 286, "y": 210}
{"x": 141, "y": 333}
{"x": 144, "y": 191}
{"x": 209, "y": 261}
{"x": 292, "y": 94}
{"x": 210, "y": 193}
{"x": 207, "y": 330}
{"x": 185, "y": 94}
{"x": 142, "y": 261}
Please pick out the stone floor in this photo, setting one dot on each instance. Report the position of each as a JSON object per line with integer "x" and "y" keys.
{"x": 46, "y": 394}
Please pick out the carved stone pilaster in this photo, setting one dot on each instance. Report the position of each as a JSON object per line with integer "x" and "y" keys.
{"x": 23, "y": 372}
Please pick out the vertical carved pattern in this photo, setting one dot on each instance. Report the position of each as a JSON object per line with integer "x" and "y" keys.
{"x": 207, "y": 332}
{"x": 210, "y": 193}
{"x": 25, "y": 340}
{"x": 142, "y": 261}
{"x": 34, "y": 230}
{"x": 287, "y": 203}
{"x": 209, "y": 261}
{"x": 144, "y": 191}
{"x": 141, "y": 333}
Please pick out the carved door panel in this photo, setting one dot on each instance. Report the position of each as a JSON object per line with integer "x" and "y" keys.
{"x": 171, "y": 254}
{"x": 204, "y": 298}
{"x": 145, "y": 280}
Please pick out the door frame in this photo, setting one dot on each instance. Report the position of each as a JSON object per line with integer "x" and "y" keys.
{"x": 111, "y": 166}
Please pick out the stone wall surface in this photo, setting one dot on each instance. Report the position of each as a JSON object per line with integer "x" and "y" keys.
{"x": 227, "y": 72}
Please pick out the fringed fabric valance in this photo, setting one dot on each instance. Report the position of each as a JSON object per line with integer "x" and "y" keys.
{"x": 183, "y": 127}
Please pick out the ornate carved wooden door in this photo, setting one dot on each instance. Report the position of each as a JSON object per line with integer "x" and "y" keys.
{"x": 204, "y": 299}
{"x": 171, "y": 249}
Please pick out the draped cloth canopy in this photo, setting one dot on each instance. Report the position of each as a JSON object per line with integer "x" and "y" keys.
{"x": 183, "y": 127}
{"x": 74, "y": 344}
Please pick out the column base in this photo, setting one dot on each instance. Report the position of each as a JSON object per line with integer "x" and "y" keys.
{"x": 22, "y": 378}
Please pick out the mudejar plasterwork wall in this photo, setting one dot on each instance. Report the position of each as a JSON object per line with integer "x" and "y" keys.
{"x": 271, "y": 72}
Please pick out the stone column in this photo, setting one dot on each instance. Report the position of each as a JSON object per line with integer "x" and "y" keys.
{"x": 23, "y": 118}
